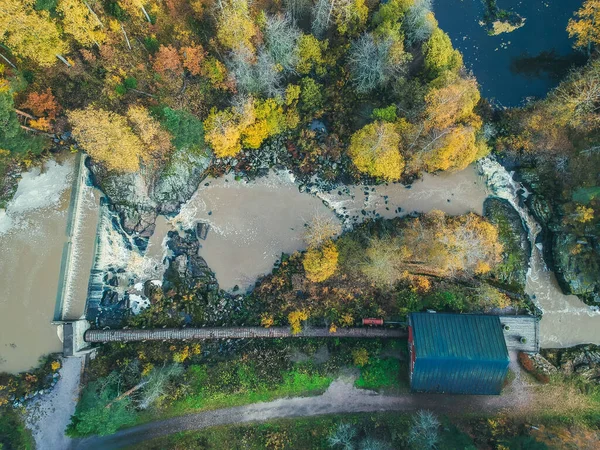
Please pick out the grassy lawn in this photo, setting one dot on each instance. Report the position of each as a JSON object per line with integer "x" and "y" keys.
{"x": 238, "y": 382}
{"x": 295, "y": 383}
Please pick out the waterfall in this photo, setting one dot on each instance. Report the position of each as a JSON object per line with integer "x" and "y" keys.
{"x": 117, "y": 253}
{"x": 502, "y": 185}
{"x": 566, "y": 319}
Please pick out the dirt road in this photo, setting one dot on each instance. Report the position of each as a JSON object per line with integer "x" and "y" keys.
{"x": 341, "y": 397}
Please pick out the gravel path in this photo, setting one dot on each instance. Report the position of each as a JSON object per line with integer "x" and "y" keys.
{"x": 341, "y": 397}
{"x": 49, "y": 415}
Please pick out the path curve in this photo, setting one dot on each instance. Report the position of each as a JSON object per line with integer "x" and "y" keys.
{"x": 341, "y": 397}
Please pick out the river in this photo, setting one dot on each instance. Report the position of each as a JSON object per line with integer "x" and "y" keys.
{"x": 33, "y": 238}
{"x": 510, "y": 67}
{"x": 251, "y": 225}
{"x": 566, "y": 320}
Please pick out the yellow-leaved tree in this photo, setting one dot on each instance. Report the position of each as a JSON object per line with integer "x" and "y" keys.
{"x": 79, "y": 21}
{"x": 235, "y": 28}
{"x": 224, "y": 129}
{"x": 248, "y": 125}
{"x": 295, "y": 318}
{"x": 107, "y": 137}
{"x": 321, "y": 262}
{"x": 454, "y": 149}
{"x": 586, "y": 28}
{"x": 157, "y": 141}
{"x": 29, "y": 33}
{"x": 453, "y": 102}
{"x": 374, "y": 150}
{"x": 436, "y": 245}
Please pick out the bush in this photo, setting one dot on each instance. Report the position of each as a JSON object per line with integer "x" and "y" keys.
{"x": 379, "y": 373}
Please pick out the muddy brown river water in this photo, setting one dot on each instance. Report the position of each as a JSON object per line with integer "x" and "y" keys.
{"x": 251, "y": 225}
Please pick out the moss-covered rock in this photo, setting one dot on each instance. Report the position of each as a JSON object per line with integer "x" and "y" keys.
{"x": 577, "y": 263}
{"x": 512, "y": 272}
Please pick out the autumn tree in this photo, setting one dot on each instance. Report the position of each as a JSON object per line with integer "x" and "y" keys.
{"x": 42, "y": 104}
{"x": 12, "y": 137}
{"x": 374, "y": 150}
{"x": 235, "y": 28}
{"x": 135, "y": 8}
{"x": 440, "y": 55}
{"x": 192, "y": 58}
{"x": 310, "y": 55}
{"x": 167, "y": 61}
{"x": 433, "y": 244}
{"x": 224, "y": 129}
{"x": 466, "y": 245}
{"x": 247, "y": 124}
{"x": 269, "y": 120}
{"x": 586, "y": 27}
{"x": 29, "y": 33}
{"x": 79, "y": 21}
{"x": 451, "y": 149}
{"x": 107, "y": 137}
{"x": 295, "y": 318}
{"x": 156, "y": 140}
{"x": 452, "y": 102}
{"x": 388, "y": 19}
{"x": 320, "y": 263}
{"x": 375, "y": 62}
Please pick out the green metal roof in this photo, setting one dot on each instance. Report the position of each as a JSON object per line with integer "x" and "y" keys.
{"x": 471, "y": 337}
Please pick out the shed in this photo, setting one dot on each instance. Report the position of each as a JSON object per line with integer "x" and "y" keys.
{"x": 457, "y": 353}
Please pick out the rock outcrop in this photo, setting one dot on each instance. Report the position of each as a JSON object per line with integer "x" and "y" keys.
{"x": 139, "y": 197}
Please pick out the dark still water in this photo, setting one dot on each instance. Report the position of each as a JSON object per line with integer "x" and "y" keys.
{"x": 511, "y": 67}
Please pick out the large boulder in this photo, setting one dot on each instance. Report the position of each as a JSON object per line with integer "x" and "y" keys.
{"x": 512, "y": 272}
{"x": 180, "y": 179}
{"x": 187, "y": 271}
{"x": 577, "y": 263}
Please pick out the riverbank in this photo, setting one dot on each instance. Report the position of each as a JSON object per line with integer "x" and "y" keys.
{"x": 49, "y": 415}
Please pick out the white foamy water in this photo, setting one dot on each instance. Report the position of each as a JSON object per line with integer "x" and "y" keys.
{"x": 40, "y": 188}
{"x": 454, "y": 193}
{"x": 567, "y": 321}
{"x": 118, "y": 251}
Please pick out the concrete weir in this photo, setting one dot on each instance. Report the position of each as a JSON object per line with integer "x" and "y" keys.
{"x": 78, "y": 248}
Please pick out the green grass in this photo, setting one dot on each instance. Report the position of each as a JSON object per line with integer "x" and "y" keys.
{"x": 386, "y": 374}
{"x": 297, "y": 382}
{"x": 13, "y": 434}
